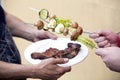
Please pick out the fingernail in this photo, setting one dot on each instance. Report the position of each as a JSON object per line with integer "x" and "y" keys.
{"x": 66, "y": 59}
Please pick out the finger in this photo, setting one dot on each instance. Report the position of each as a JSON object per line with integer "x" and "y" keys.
{"x": 56, "y": 60}
{"x": 100, "y": 52}
{"x": 51, "y": 35}
{"x": 60, "y": 60}
{"x": 103, "y": 43}
{"x": 46, "y": 61}
{"x": 68, "y": 69}
{"x": 107, "y": 45}
{"x": 104, "y": 32}
{"x": 94, "y": 35}
{"x": 63, "y": 70}
{"x": 99, "y": 39}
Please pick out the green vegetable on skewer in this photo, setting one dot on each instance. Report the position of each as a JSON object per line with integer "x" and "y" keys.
{"x": 89, "y": 43}
{"x": 43, "y": 14}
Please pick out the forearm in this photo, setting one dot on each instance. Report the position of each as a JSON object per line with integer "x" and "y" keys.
{"x": 14, "y": 71}
{"x": 19, "y": 28}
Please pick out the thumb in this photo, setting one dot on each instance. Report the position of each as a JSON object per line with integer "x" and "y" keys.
{"x": 100, "y": 52}
{"x": 61, "y": 60}
{"x": 51, "y": 35}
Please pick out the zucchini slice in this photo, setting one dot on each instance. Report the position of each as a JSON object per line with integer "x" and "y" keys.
{"x": 43, "y": 14}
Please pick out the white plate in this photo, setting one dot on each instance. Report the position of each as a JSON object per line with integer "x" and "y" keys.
{"x": 60, "y": 43}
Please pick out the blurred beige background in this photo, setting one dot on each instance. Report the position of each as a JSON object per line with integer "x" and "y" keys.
{"x": 92, "y": 15}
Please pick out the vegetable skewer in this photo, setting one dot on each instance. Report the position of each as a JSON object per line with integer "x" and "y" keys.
{"x": 61, "y": 25}
{"x": 86, "y": 32}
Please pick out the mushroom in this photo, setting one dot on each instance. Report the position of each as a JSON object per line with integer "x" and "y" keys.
{"x": 65, "y": 32}
{"x": 79, "y": 30}
{"x": 74, "y": 25}
{"x": 39, "y": 24}
{"x": 75, "y": 34}
{"x": 52, "y": 16}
